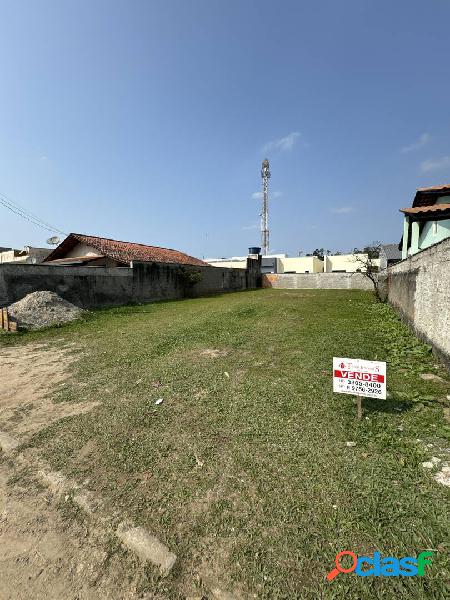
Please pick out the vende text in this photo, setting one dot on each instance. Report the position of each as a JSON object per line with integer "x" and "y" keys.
{"x": 359, "y": 376}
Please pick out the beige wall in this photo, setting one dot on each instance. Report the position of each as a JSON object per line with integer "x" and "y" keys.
{"x": 8, "y": 256}
{"x": 301, "y": 264}
{"x": 346, "y": 262}
{"x": 82, "y": 250}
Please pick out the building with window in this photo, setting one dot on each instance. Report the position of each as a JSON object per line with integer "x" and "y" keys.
{"x": 427, "y": 222}
{"x": 29, "y": 254}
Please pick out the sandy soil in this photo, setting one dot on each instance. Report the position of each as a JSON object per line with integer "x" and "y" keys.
{"x": 43, "y": 554}
{"x": 44, "y": 557}
{"x": 27, "y": 374}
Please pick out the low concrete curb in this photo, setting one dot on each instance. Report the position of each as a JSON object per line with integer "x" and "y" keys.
{"x": 136, "y": 539}
{"x": 7, "y": 442}
{"x": 146, "y": 547}
{"x": 54, "y": 480}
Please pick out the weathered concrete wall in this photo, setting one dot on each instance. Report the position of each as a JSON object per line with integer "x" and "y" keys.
{"x": 102, "y": 286}
{"x": 83, "y": 286}
{"x": 419, "y": 288}
{"x": 334, "y": 281}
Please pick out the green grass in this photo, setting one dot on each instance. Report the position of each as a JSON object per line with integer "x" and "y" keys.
{"x": 247, "y": 477}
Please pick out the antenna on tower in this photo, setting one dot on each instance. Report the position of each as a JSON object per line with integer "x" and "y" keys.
{"x": 265, "y": 175}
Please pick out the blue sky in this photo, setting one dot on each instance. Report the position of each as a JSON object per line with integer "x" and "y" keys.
{"x": 147, "y": 120}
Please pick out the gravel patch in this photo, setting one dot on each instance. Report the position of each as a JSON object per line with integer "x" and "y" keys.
{"x": 43, "y": 309}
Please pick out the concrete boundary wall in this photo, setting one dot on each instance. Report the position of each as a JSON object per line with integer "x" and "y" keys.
{"x": 90, "y": 287}
{"x": 333, "y": 281}
{"x": 419, "y": 289}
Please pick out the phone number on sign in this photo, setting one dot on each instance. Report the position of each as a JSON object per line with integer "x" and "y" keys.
{"x": 371, "y": 387}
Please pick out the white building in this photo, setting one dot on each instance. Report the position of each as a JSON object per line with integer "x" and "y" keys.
{"x": 282, "y": 263}
{"x": 29, "y": 254}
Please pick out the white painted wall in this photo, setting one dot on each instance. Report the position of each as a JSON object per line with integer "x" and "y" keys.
{"x": 302, "y": 264}
{"x": 82, "y": 250}
{"x": 346, "y": 262}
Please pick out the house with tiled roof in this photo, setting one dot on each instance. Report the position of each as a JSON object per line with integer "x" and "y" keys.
{"x": 87, "y": 250}
{"x": 427, "y": 222}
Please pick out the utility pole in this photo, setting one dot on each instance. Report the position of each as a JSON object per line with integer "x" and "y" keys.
{"x": 265, "y": 175}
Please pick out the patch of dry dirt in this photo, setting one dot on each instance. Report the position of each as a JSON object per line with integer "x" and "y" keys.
{"x": 43, "y": 554}
{"x": 28, "y": 374}
{"x": 213, "y": 352}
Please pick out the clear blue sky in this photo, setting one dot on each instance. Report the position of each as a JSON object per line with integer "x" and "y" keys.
{"x": 147, "y": 120}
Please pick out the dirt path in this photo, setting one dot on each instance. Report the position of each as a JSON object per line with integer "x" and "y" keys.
{"x": 38, "y": 557}
{"x": 28, "y": 373}
{"x": 44, "y": 554}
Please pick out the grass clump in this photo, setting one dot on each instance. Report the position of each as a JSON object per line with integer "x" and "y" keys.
{"x": 243, "y": 470}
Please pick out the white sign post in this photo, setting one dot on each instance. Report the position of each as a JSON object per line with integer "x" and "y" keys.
{"x": 361, "y": 378}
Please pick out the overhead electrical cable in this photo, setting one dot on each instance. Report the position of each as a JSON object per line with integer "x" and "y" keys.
{"x": 26, "y": 214}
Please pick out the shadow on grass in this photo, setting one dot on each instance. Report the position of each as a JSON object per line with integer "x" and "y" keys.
{"x": 391, "y": 405}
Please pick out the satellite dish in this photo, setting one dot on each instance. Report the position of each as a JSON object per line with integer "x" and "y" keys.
{"x": 54, "y": 241}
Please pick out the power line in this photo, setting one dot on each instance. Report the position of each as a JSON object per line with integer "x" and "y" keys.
{"x": 51, "y": 229}
{"x": 26, "y": 214}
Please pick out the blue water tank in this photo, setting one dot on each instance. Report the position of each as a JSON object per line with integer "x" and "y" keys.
{"x": 254, "y": 250}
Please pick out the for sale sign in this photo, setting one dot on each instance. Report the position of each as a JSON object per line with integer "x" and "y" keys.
{"x": 359, "y": 377}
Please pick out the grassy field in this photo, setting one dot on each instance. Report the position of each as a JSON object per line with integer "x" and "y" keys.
{"x": 243, "y": 470}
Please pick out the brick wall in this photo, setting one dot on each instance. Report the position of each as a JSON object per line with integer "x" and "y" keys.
{"x": 334, "y": 281}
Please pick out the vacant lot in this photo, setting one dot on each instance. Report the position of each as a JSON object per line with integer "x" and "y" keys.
{"x": 244, "y": 470}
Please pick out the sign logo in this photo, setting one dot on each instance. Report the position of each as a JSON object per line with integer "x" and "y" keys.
{"x": 376, "y": 566}
{"x": 359, "y": 377}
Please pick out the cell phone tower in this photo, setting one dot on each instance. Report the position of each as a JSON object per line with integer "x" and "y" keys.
{"x": 265, "y": 175}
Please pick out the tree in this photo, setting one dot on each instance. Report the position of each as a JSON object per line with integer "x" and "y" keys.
{"x": 367, "y": 261}
{"x": 373, "y": 251}
{"x": 320, "y": 253}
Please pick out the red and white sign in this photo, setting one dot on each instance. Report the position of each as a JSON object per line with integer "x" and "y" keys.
{"x": 359, "y": 377}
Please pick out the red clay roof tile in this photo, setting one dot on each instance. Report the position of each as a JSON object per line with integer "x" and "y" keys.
{"x": 445, "y": 186}
{"x": 123, "y": 252}
{"x": 427, "y": 196}
{"x": 434, "y": 208}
